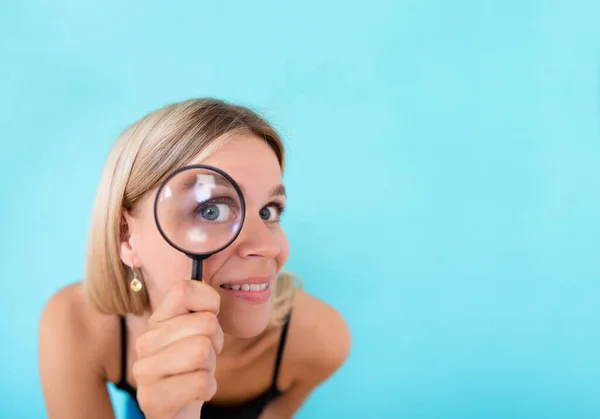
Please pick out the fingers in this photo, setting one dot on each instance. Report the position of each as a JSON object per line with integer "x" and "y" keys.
{"x": 190, "y": 411}
{"x": 177, "y": 355}
{"x": 184, "y": 297}
{"x": 194, "y": 353}
{"x": 166, "y": 397}
{"x": 178, "y": 328}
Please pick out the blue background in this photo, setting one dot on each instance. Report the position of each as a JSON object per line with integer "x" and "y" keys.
{"x": 445, "y": 155}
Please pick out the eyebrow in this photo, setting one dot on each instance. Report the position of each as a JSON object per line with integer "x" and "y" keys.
{"x": 278, "y": 190}
{"x": 193, "y": 181}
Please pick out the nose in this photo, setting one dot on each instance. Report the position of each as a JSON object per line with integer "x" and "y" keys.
{"x": 256, "y": 239}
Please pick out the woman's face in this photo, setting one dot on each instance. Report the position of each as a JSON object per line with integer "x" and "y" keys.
{"x": 255, "y": 257}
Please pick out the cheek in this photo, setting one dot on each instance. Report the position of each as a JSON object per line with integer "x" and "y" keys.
{"x": 213, "y": 264}
{"x": 284, "y": 253}
{"x": 161, "y": 263}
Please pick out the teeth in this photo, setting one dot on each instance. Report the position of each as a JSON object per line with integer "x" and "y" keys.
{"x": 246, "y": 287}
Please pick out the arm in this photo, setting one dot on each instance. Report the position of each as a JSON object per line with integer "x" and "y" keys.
{"x": 317, "y": 361}
{"x": 71, "y": 376}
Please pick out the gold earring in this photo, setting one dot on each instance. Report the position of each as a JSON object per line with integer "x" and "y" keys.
{"x": 135, "y": 284}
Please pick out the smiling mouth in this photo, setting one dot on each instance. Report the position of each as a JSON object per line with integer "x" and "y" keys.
{"x": 246, "y": 287}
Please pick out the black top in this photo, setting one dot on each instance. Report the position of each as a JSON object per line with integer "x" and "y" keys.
{"x": 250, "y": 409}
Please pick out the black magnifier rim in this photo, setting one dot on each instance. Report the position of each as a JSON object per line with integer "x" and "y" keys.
{"x": 229, "y": 179}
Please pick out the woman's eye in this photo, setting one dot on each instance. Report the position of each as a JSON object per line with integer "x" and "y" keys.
{"x": 215, "y": 212}
{"x": 270, "y": 213}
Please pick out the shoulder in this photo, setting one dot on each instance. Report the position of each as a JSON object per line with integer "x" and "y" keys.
{"x": 70, "y": 311}
{"x": 318, "y": 344}
{"x": 69, "y": 323}
{"x": 72, "y": 353}
{"x": 319, "y": 338}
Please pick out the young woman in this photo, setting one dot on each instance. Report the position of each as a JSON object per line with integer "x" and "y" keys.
{"x": 246, "y": 342}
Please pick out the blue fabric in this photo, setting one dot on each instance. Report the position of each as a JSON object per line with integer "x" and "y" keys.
{"x": 132, "y": 410}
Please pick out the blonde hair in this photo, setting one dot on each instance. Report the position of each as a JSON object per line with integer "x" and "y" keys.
{"x": 142, "y": 157}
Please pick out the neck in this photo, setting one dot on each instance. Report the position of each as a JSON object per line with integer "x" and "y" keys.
{"x": 229, "y": 343}
{"x": 235, "y": 345}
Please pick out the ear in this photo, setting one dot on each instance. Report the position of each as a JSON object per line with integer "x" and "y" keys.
{"x": 127, "y": 253}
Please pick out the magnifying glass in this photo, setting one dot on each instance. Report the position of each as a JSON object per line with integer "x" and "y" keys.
{"x": 199, "y": 210}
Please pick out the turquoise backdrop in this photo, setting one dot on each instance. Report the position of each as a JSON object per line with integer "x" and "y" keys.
{"x": 444, "y": 180}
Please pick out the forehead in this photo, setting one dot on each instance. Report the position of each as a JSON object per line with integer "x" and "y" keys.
{"x": 249, "y": 160}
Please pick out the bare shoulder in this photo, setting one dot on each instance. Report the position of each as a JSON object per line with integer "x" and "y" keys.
{"x": 72, "y": 346}
{"x": 319, "y": 343}
{"x": 319, "y": 337}
{"x": 69, "y": 315}
{"x": 64, "y": 318}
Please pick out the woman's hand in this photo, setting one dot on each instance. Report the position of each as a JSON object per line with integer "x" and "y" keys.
{"x": 176, "y": 361}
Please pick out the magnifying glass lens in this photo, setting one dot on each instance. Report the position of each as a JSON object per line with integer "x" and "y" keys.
{"x": 199, "y": 211}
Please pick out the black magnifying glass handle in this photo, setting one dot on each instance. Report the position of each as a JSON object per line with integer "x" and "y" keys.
{"x": 197, "y": 269}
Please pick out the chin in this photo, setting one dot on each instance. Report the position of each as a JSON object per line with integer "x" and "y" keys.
{"x": 244, "y": 322}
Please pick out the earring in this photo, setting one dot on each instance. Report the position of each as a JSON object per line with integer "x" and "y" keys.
{"x": 135, "y": 284}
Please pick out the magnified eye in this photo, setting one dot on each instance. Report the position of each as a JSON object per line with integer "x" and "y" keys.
{"x": 216, "y": 210}
{"x": 199, "y": 210}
